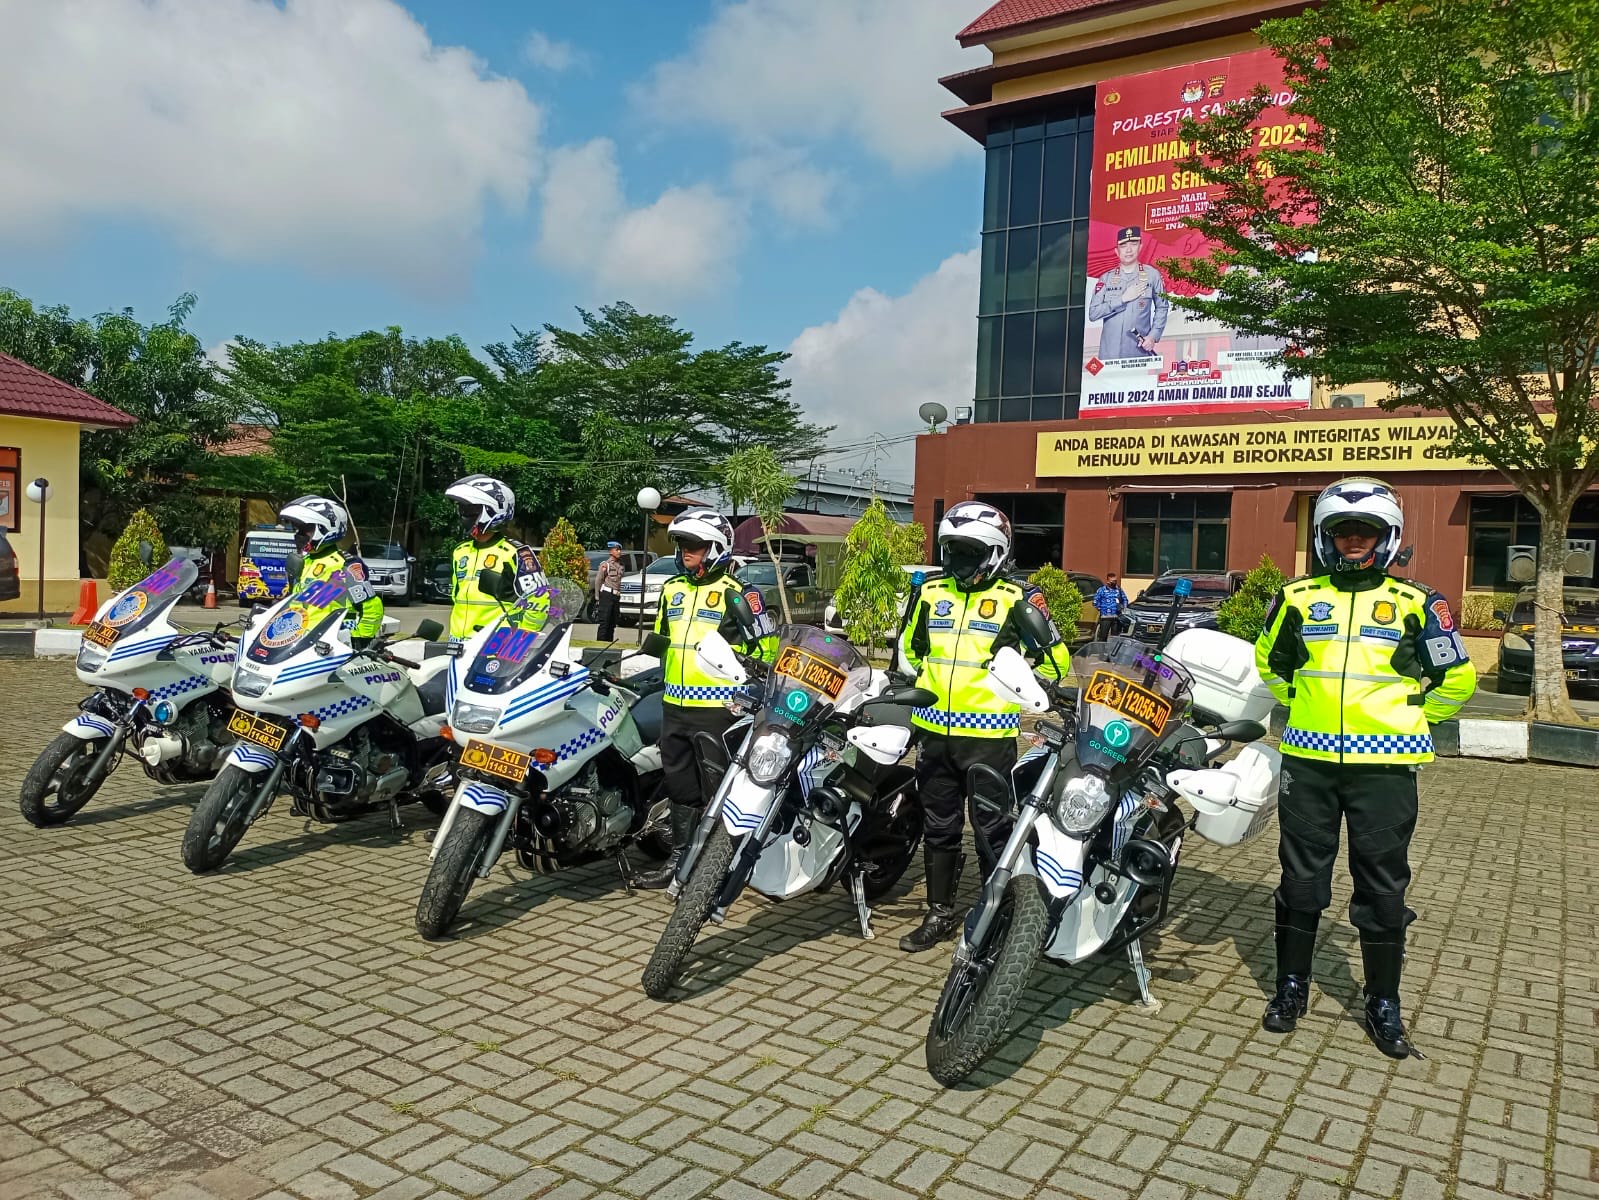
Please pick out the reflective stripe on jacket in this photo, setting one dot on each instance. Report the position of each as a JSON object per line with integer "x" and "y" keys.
{"x": 689, "y": 611}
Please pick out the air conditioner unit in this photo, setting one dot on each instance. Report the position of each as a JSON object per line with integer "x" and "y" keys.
{"x": 1579, "y": 557}
{"x": 1348, "y": 400}
{"x": 1521, "y": 564}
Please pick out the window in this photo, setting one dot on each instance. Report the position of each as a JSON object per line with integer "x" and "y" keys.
{"x": 1037, "y": 522}
{"x": 1185, "y": 531}
{"x": 1500, "y": 522}
{"x": 10, "y": 488}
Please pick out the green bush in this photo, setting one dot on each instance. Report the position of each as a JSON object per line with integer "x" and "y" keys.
{"x": 1061, "y": 594}
{"x": 1477, "y": 608}
{"x": 1243, "y": 614}
{"x": 563, "y": 556}
{"x": 126, "y": 569}
{"x": 871, "y": 584}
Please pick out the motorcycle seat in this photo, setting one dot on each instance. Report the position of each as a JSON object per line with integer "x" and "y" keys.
{"x": 430, "y": 679}
{"x": 647, "y": 716}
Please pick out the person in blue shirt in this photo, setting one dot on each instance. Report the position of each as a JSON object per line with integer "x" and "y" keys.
{"x": 1110, "y": 602}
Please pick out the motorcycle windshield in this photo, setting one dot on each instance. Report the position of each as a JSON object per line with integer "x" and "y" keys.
{"x": 513, "y": 653}
{"x": 312, "y": 614}
{"x": 812, "y": 668}
{"x": 150, "y": 597}
{"x": 1127, "y": 696}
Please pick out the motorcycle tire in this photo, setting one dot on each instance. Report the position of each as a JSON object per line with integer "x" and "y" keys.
{"x": 454, "y": 868}
{"x": 53, "y": 774}
{"x": 961, "y": 1035}
{"x": 219, "y": 820}
{"x": 688, "y": 917}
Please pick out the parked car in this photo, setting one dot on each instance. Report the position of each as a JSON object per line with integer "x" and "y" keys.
{"x": 1145, "y": 618}
{"x": 391, "y": 571}
{"x": 1579, "y": 640}
{"x": 10, "y": 576}
{"x": 632, "y": 562}
{"x": 807, "y": 603}
{"x": 641, "y": 591}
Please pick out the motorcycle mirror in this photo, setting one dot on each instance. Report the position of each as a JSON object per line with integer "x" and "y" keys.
{"x": 1501, "y": 616}
{"x": 146, "y": 553}
{"x": 1241, "y": 731}
{"x": 716, "y": 658}
{"x": 257, "y": 611}
{"x": 655, "y": 645}
{"x": 293, "y": 564}
{"x": 748, "y": 624}
{"x": 490, "y": 582}
{"x": 1036, "y": 627}
{"x": 1012, "y": 679}
{"x": 990, "y": 791}
{"x": 430, "y": 631}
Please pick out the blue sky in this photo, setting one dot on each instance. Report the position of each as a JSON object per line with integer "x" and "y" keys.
{"x": 766, "y": 170}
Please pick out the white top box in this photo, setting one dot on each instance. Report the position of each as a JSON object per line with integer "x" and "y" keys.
{"x": 1226, "y": 685}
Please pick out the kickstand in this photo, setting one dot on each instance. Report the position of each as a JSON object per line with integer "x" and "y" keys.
{"x": 857, "y": 887}
{"x": 394, "y": 816}
{"x": 626, "y": 868}
{"x": 1135, "y": 952}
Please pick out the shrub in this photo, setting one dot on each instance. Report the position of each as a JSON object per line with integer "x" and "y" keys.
{"x": 1243, "y": 614}
{"x": 871, "y": 586}
{"x": 563, "y": 556}
{"x": 126, "y": 569}
{"x": 1061, "y": 594}
{"x": 1477, "y": 608}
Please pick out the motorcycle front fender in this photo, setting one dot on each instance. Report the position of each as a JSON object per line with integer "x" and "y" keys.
{"x": 745, "y": 804}
{"x": 90, "y": 727}
{"x": 252, "y": 758}
{"x": 491, "y": 802}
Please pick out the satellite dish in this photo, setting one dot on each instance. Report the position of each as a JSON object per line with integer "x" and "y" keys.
{"x": 933, "y": 413}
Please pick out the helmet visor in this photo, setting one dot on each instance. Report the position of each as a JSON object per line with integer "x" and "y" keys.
{"x": 962, "y": 558}
{"x": 1356, "y": 525}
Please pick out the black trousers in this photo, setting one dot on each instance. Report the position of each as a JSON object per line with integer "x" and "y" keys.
{"x": 941, "y": 766}
{"x": 1105, "y": 628}
{"x": 607, "y": 606}
{"x": 1379, "y": 805}
{"x": 679, "y": 764}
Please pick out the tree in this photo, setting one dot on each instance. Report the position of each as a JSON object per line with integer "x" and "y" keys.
{"x": 872, "y": 584}
{"x": 1243, "y": 614}
{"x": 1061, "y": 594}
{"x": 127, "y": 568}
{"x": 754, "y": 477}
{"x": 566, "y": 565}
{"x": 1438, "y": 229}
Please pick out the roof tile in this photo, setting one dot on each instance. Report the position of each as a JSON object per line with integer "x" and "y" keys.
{"x": 1012, "y": 14}
{"x": 27, "y": 392}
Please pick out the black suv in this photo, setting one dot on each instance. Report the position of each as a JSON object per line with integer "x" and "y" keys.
{"x": 1145, "y": 618}
{"x": 10, "y": 576}
{"x": 1579, "y": 641}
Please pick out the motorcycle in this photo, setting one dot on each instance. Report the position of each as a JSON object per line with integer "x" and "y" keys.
{"x": 1097, "y": 833}
{"x": 561, "y": 761}
{"x": 161, "y": 688}
{"x": 813, "y": 795}
{"x": 346, "y": 731}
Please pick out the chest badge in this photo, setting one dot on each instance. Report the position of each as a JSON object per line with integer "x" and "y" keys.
{"x": 987, "y": 608}
{"x": 714, "y": 600}
{"x": 943, "y": 608}
{"x": 1384, "y": 612}
{"x": 489, "y": 560}
{"x": 1320, "y": 611}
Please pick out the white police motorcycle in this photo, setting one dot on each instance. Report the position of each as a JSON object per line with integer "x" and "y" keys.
{"x": 157, "y": 687}
{"x": 344, "y": 731}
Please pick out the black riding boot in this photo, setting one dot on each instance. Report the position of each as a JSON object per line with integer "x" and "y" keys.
{"x": 941, "y": 921}
{"x": 1296, "y": 946}
{"x": 1384, "y": 958}
{"x": 684, "y": 818}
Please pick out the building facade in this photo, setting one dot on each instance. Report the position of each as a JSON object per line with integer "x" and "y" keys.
{"x": 1214, "y": 462}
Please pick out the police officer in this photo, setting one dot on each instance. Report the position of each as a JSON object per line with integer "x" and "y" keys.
{"x": 1131, "y": 301}
{"x": 693, "y": 603}
{"x": 319, "y": 525}
{"x": 953, "y": 627}
{"x": 487, "y": 506}
{"x": 1365, "y": 663}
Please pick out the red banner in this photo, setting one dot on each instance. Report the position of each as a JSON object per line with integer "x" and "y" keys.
{"x": 1141, "y": 353}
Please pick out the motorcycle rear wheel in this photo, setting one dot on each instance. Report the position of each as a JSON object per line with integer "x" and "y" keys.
{"x": 220, "y": 819}
{"x": 453, "y": 870}
{"x": 980, "y": 996}
{"x": 689, "y": 914}
{"x": 57, "y": 773}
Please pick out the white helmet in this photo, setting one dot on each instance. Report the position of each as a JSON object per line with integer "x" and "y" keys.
{"x": 485, "y": 501}
{"x": 318, "y": 522}
{"x": 706, "y": 527}
{"x": 1369, "y": 502}
{"x": 974, "y": 543}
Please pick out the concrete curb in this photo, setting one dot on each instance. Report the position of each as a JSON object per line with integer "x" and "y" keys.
{"x": 56, "y": 643}
{"x": 1492, "y": 739}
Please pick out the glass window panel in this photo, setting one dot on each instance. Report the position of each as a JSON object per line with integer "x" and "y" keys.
{"x": 1017, "y": 376}
{"x": 1026, "y": 165}
{"x": 1213, "y": 504}
{"x": 988, "y": 357}
{"x": 1085, "y": 165}
{"x": 1140, "y": 549}
{"x": 1030, "y": 129}
{"x": 1175, "y": 547}
{"x": 1079, "y": 267}
{"x": 1074, "y": 347}
{"x": 1061, "y": 122}
{"x": 987, "y": 410}
{"x": 1073, "y": 402}
{"x": 1021, "y": 270}
{"x": 1048, "y": 408}
{"x": 1211, "y": 550}
{"x": 991, "y": 289}
{"x": 1054, "y": 265}
{"x": 1060, "y": 166}
{"x": 1015, "y": 408}
{"x": 996, "y": 188}
{"x": 1049, "y": 353}
{"x": 1585, "y": 510}
{"x": 1180, "y": 505}
{"x": 1493, "y": 508}
{"x": 1489, "y": 546}
{"x": 1140, "y": 504}
{"x": 999, "y": 132}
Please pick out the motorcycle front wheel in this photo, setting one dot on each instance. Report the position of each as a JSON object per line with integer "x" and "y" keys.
{"x": 980, "y": 996}
{"x": 220, "y": 819}
{"x": 689, "y": 914}
{"x": 454, "y": 868}
{"x": 54, "y": 788}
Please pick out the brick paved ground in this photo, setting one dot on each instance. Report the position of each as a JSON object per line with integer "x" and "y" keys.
{"x": 279, "y": 1030}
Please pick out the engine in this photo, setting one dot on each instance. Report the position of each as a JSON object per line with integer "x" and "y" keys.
{"x": 586, "y": 818}
{"x": 359, "y": 771}
{"x": 190, "y": 748}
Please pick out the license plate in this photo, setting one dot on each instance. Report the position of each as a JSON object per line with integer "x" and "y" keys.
{"x": 1573, "y": 674}
{"x": 1154, "y": 628}
{"x": 496, "y": 760}
{"x": 812, "y": 671}
{"x": 101, "y": 634}
{"x": 254, "y": 729}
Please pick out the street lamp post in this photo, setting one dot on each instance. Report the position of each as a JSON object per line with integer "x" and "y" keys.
{"x": 40, "y": 491}
{"x": 648, "y": 501}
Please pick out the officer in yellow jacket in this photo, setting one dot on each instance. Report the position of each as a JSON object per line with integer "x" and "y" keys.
{"x": 487, "y": 506}
{"x": 694, "y": 602}
{"x": 1366, "y": 663}
{"x": 952, "y": 629}
{"x": 319, "y": 525}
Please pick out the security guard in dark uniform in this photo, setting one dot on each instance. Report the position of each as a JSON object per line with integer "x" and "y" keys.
{"x": 1366, "y": 664}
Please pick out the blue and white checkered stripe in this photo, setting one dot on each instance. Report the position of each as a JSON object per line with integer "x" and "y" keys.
{"x": 90, "y": 723}
{"x": 679, "y": 691}
{"x": 1358, "y": 743}
{"x": 341, "y": 708}
{"x": 323, "y": 666}
{"x": 143, "y": 646}
{"x": 549, "y": 693}
{"x": 1056, "y": 872}
{"x": 965, "y": 720}
{"x": 483, "y": 796}
{"x": 246, "y": 755}
{"x": 181, "y": 687}
{"x": 574, "y": 747}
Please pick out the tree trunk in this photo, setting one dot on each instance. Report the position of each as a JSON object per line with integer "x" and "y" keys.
{"x": 782, "y": 588}
{"x": 1550, "y": 700}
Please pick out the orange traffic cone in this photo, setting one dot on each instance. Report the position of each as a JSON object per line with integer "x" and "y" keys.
{"x": 211, "y": 595}
{"x": 88, "y": 602}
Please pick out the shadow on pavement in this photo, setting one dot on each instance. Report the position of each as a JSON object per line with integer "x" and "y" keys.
{"x": 161, "y": 797}
{"x": 367, "y": 830}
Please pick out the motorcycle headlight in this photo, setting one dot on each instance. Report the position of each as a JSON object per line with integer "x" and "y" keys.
{"x": 769, "y": 757}
{"x": 249, "y": 683}
{"x": 1514, "y": 641}
{"x": 91, "y": 658}
{"x": 1082, "y": 805}
{"x": 474, "y": 718}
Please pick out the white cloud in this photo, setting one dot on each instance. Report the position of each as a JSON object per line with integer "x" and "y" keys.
{"x": 542, "y": 50}
{"x": 810, "y": 69}
{"x": 869, "y": 369}
{"x": 785, "y": 180}
{"x": 681, "y": 244}
{"x": 329, "y": 132}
